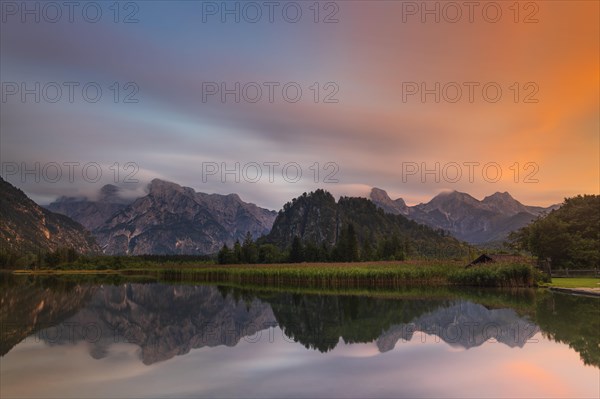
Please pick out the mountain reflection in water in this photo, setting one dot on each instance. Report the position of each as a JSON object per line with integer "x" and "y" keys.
{"x": 169, "y": 320}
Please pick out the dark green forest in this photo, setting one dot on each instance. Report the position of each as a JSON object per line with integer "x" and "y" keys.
{"x": 568, "y": 236}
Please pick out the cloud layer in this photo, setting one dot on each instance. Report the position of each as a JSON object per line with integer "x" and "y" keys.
{"x": 363, "y": 70}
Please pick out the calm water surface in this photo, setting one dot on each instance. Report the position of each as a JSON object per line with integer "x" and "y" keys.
{"x": 67, "y": 338}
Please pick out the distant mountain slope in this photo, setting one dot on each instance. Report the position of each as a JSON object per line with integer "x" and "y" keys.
{"x": 25, "y": 226}
{"x": 318, "y": 219}
{"x": 466, "y": 218}
{"x": 173, "y": 219}
{"x": 91, "y": 214}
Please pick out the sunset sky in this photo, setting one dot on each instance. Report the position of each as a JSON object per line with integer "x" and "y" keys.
{"x": 375, "y": 133}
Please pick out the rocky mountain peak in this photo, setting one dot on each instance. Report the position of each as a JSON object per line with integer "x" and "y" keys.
{"x": 504, "y": 203}
{"x": 159, "y": 187}
{"x": 383, "y": 200}
{"x": 499, "y": 198}
{"x": 379, "y": 194}
{"x": 498, "y": 194}
{"x": 451, "y": 199}
{"x": 454, "y": 195}
{"x": 234, "y": 197}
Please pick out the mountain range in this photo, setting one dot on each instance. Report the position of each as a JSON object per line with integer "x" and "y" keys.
{"x": 170, "y": 219}
{"x": 466, "y": 218}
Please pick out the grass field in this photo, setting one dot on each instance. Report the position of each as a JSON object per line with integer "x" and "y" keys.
{"x": 577, "y": 282}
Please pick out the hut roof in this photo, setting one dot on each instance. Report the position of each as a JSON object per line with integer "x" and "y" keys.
{"x": 497, "y": 258}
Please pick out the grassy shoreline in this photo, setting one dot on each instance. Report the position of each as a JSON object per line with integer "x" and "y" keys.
{"x": 574, "y": 282}
{"x": 336, "y": 275}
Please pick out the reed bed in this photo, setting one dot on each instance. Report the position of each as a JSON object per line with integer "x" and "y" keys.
{"x": 359, "y": 275}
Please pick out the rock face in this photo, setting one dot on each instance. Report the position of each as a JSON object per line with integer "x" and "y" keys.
{"x": 466, "y": 218}
{"x": 173, "y": 219}
{"x": 383, "y": 200}
{"x": 25, "y": 226}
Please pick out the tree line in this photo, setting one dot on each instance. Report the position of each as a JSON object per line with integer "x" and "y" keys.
{"x": 347, "y": 249}
{"x": 69, "y": 258}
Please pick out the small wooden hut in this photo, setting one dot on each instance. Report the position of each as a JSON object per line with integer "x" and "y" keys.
{"x": 497, "y": 258}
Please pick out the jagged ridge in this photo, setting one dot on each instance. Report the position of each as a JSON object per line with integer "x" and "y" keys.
{"x": 465, "y": 217}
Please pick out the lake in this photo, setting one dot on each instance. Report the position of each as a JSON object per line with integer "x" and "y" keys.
{"x": 110, "y": 337}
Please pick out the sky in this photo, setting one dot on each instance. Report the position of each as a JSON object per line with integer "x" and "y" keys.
{"x": 270, "y": 101}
